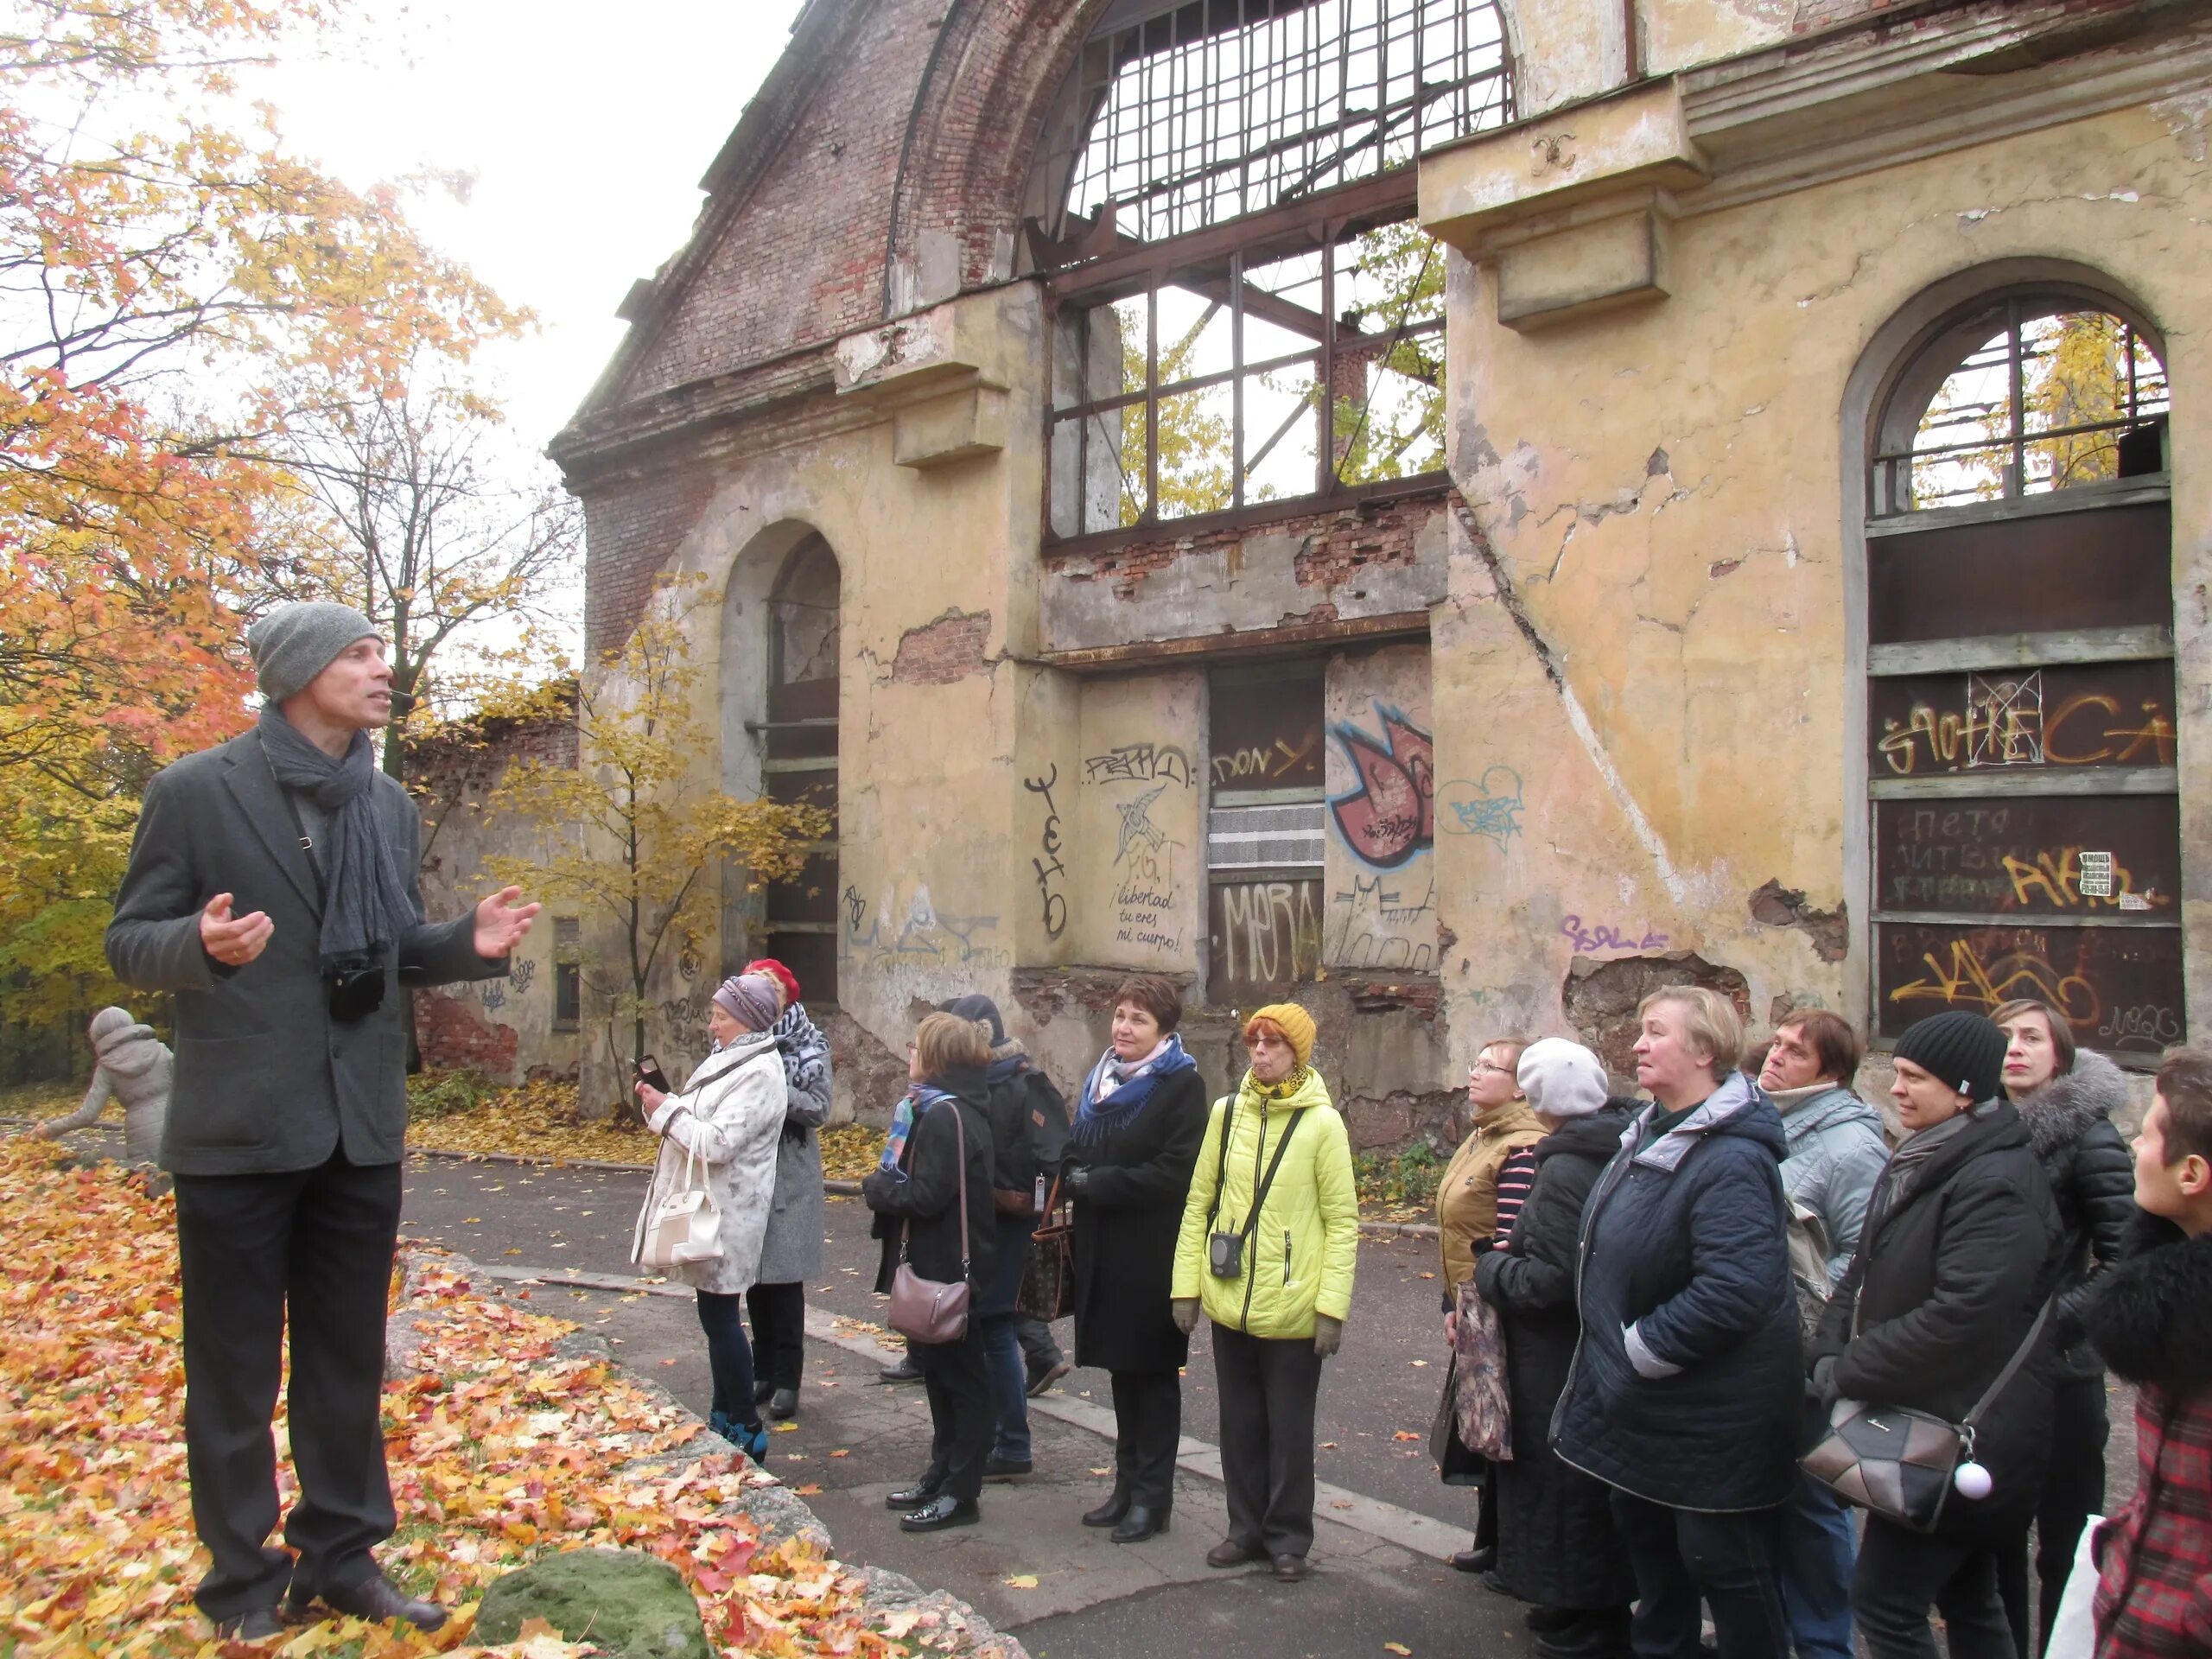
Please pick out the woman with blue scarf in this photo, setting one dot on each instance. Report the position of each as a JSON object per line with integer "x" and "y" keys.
{"x": 1130, "y": 1158}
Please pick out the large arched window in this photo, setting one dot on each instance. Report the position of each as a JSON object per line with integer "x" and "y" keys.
{"x": 2022, "y": 804}
{"x": 800, "y": 758}
{"x": 1244, "y": 312}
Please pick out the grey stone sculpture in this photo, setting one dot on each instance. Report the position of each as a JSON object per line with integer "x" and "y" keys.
{"x": 132, "y": 1065}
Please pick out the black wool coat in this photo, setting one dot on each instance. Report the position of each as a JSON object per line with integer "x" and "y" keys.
{"x": 1959, "y": 1255}
{"x": 1126, "y": 1225}
{"x": 1556, "y": 1546}
{"x": 2092, "y": 1181}
{"x": 925, "y": 1202}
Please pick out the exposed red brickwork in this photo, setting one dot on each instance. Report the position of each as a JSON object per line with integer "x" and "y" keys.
{"x": 939, "y": 652}
{"x": 1335, "y": 544}
{"x": 452, "y": 1036}
{"x": 630, "y": 530}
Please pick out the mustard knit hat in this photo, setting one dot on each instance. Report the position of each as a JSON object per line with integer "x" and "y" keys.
{"x": 1297, "y": 1025}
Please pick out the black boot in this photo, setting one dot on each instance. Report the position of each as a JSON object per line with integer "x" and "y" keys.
{"x": 940, "y": 1512}
{"x": 1142, "y": 1520}
{"x": 1110, "y": 1513}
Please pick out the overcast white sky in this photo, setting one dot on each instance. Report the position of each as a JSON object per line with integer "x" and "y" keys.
{"x": 587, "y": 129}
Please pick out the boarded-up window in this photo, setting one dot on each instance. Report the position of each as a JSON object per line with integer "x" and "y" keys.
{"x": 2023, "y": 804}
{"x": 1266, "y": 832}
{"x": 568, "y": 973}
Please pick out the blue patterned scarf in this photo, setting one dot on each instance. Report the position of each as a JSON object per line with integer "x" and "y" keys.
{"x": 1116, "y": 1090}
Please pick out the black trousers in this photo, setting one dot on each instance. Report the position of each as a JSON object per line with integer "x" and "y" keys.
{"x": 1267, "y": 1388}
{"x": 2073, "y": 1490}
{"x": 779, "y": 1333}
{"x": 1682, "y": 1556}
{"x": 1148, "y": 1426}
{"x": 962, "y": 1419}
{"x": 1900, "y": 1574}
{"x": 318, "y": 1242}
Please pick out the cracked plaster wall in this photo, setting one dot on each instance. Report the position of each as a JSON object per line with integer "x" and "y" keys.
{"x": 1659, "y": 492}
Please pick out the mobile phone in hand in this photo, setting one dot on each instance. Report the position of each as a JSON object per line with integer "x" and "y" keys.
{"x": 649, "y": 1072}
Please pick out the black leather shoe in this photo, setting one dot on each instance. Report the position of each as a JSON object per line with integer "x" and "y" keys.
{"x": 1229, "y": 1553}
{"x": 1476, "y": 1561}
{"x": 256, "y": 1624}
{"x": 1289, "y": 1569}
{"x": 1141, "y": 1524}
{"x": 942, "y": 1512}
{"x": 377, "y": 1599}
{"x": 1041, "y": 1378}
{"x": 782, "y": 1403}
{"x": 1110, "y": 1513}
{"x": 998, "y": 1468}
{"x": 762, "y": 1391}
{"x": 912, "y": 1498}
{"x": 904, "y": 1372}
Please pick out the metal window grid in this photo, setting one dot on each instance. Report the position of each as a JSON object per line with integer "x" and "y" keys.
{"x": 1221, "y": 108}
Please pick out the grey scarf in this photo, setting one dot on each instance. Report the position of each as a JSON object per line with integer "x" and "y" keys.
{"x": 366, "y": 910}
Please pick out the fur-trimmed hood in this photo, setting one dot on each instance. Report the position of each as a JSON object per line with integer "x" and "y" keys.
{"x": 2151, "y": 1317}
{"x": 2058, "y": 1113}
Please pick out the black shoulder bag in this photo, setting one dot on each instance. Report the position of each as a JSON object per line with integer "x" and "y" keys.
{"x": 1226, "y": 1251}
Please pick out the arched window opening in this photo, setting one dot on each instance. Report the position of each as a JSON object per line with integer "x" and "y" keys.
{"x": 2024, "y": 812}
{"x": 799, "y": 761}
{"x": 1203, "y": 368}
{"x": 2031, "y": 394}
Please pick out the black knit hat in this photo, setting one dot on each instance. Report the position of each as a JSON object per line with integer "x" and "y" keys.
{"x": 1966, "y": 1050}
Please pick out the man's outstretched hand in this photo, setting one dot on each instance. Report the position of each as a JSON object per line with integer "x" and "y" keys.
{"x": 501, "y": 922}
{"x": 233, "y": 940}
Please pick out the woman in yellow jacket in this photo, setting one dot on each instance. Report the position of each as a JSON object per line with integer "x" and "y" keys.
{"x": 1274, "y": 1273}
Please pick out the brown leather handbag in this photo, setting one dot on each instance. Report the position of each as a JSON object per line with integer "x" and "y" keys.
{"x": 926, "y": 1310}
{"x": 1048, "y": 1282}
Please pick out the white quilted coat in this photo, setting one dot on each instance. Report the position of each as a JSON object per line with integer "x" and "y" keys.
{"x": 730, "y": 1115}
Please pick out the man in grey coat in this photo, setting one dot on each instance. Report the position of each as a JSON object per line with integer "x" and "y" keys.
{"x": 272, "y": 889}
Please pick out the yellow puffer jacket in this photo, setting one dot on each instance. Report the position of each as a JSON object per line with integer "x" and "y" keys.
{"x": 1301, "y": 1256}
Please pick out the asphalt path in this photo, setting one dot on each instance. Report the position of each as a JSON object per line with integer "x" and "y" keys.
{"x": 1384, "y": 1384}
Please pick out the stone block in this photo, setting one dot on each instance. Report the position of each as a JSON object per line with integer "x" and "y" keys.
{"x": 949, "y": 428}
{"x": 1581, "y": 271}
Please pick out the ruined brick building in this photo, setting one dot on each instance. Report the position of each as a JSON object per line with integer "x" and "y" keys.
{"x": 1457, "y": 511}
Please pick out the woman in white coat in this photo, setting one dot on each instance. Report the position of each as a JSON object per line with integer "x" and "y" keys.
{"x": 727, "y": 1118}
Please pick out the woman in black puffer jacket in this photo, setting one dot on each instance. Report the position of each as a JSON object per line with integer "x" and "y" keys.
{"x": 1960, "y": 1250}
{"x": 2067, "y": 1099}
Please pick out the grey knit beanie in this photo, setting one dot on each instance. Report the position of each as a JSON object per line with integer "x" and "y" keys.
{"x": 751, "y": 1000}
{"x": 1561, "y": 1079}
{"x": 296, "y": 642}
{"x": 1962, "y": 1050}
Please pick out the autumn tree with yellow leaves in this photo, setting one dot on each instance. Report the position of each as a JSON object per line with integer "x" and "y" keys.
{"x": 635, "y": 834}
{"x": 175, "y": 289}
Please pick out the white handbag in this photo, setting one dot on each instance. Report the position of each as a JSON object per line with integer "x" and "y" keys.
{"x": 681, "y": 1225}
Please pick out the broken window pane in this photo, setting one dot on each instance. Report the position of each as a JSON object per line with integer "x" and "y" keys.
{"x": 1195, "y": 452}
{"x": 1214, "y": 109}
{"x": 1098, "y": 470}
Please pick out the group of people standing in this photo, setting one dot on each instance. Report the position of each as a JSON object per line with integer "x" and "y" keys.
{"x": 1687, "y": 1286}
{"x": 1684, "y": 1284}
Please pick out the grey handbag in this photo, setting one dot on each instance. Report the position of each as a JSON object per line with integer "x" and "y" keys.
{"x": 925, "y": 1310}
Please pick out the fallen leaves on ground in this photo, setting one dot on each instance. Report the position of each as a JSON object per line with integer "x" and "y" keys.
{"x": 501, "y": 1450}
{"x": 531, "y": 1120}
{"x": 850, "y": 1151}
{"x": 1022, "y": 1581}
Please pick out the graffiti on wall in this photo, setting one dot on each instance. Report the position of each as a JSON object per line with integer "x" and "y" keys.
{"x": 922, "y": 934}
{"x": 1141, "y": 763}
{"x": 1269, "y": 767}
{"x": 1592, "y": 937}
{"x": 1370, "y": 924}
{"x": 2074, "y": 715}
{"x": 2118, "y": 987}
{"x": 1267, "y": 936}
{"x": 1049, "y": 843}
{"x": 1389, "y": 818}
{"x": 1490, "y": 807}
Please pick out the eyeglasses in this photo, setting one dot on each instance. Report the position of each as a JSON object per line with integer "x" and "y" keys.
{"x": 913, "y": 1048}
{"x": 1490, "y": 1067}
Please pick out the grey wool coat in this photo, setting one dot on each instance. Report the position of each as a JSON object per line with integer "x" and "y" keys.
{"x": 264, "y": 1079}
{"x": 792, "y": 1250}
{"x": 723, "y": 1122}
